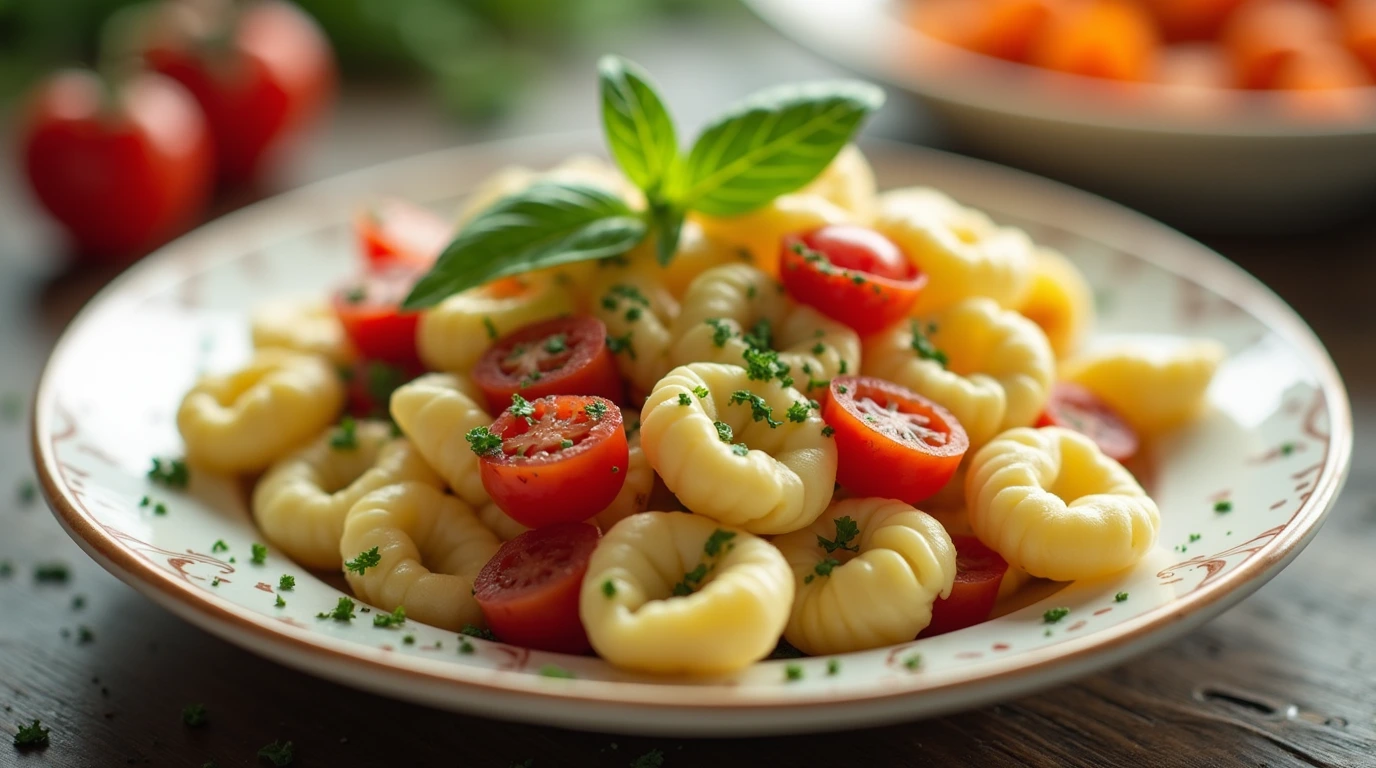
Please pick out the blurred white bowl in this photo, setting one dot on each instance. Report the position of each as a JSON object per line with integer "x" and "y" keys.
{"x": 1213, "y": 158}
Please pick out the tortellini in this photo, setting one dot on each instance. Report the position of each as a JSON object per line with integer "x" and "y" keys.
{"x": 678, "y": 593}
{"x": 301, "y": 502}
{"x": 1153, "y": 387}
{"x": 435, "y": 411}
{"x": 761, "y": 231}
{"x": 726, "y": 461}
{"x": 431, "y": 548}
{"x": 456, "y": 332}
{"x": 1051, "y": 503}
{"x": 303, "y": 326}
{"x": 245, "y": 420}
{"x": 997, "y": 373}
{"x": 726, "y": 304}
{"x": 1059, "y": 301}
{"x": 962, "y": 251}
{"x": 638, "y": 311}
{"x": 848, "y": 182}
{"x": 876, "y": 590}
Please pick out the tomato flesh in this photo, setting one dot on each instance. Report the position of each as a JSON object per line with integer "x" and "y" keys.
{"x": 851, "y": 274}
{"x": 529, "y": 590}
{"x": 370, "y": 310}
{"x": 1075, "y": 407}
{"x": 891, "y": 442}
{"x": 370, "y": 384}
{"x": 396, "y": 231}
{"x": 562, "y": 356}
{"x": 979, "y": 572}
{"x": 563, "y": 462}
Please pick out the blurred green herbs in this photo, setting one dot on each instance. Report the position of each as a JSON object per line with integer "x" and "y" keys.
{"x": 476, "y": 54}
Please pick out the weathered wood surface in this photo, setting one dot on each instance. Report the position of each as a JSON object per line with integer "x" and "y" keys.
{"x": 1286, "y": 678}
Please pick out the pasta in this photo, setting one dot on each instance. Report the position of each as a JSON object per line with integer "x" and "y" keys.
{"x": 997, "y": 372}
{"x": 1059, "y": 301}
{"x": 874, "y": 591}
{"x": 729, "y": 309}
{"x": 435, "y": 411}
{"x": 302, "y": 326}
{"x": 455, "y": 333}
{"x": 301, "y": 502}
{"x": 760, "y": 231}
{"x": 1154, "y": 388}
{"x": 726, "y": 465}
{"x": 848, "y": 182}
{"x": 636, "y": 307}
{"x": 431, "y": 548}
{"x": 697, "y": 253}
{"x": 962, "y": 251}
{"x": 643, "y": 609}
{"x": 1051, "y": 503}
{"x": 245, "y": 420}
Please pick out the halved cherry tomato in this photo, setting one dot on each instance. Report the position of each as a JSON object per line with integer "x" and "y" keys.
{"x": 562, "y": 356}
{"x": 891, "y": 442}
{"x": 979, "y": 572}
{"x": 370, "y": 310}
{"x": 1074, "y": 407}
{"x": 562, "y": 459}
{"x": 851, "y": 274}
{"x": 399, "y": 231}
{"x": 370, "y": 384}
{"x": 529, "y": 590}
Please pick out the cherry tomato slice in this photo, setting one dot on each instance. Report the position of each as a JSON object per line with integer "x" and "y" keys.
{"x": 371, "y": 384}
{"x": 891, "y": 442}
{"x": 562, "y": 356}
{"x": 851, "y": 274}
{"x": 371, "y": 314}
{"x": 979, "y": 572}
{"x": 528, "y": 591}
{"x": 1074, "y": 407}
{"x": 398, "y": 231}
{"x": 562, "y": 459}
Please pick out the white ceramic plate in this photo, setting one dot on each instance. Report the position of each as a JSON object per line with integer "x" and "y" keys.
{"x": 1276, "y": 443}
{"x": 1220, "y": 159}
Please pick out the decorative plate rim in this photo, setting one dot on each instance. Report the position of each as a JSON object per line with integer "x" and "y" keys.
{"x": 993, "y": 84}
{"x": 305, "y": 650}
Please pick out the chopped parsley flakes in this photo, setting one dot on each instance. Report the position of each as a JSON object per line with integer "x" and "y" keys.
{"x": 343, "y": 611}
{"x": 828, "y": 431}
{"x": 363, "y": 562}
{"x": 724, "y": 432}
{"x": 924, "y": 347}
{"x": 1054, "y": 615}
{"x": 740, "y": 450}
{"x": 1223, "y": 506}
{"x": 595, "y": 410}
{"x": 761, "y": 337}
{"x": 721, "y": 331}
{"x": 1120, "y": 597}
{"x": 798, "y": 412}
{"x": 521, "y": 408}
{"x": 194, "y": 716}
{"x": 171, "y": 473}
{"x": 833, "y": 667}
{"x": 759, "y": 409}
{"x": 793, "y": 672}
{"x": 619, "y": 344}
{"x": 846, "y": 531}
{"x": 278, "y": 753}
{"x": 479, "y": 632}
{"x": 652, "y": 759}
{"x": 280, "y": 603}
{"x": 394, "y": 619}
{"x": 218, "y": 546}
{"x": 483, "y": 441}
{"x": 913, "y": 662}
{"x": 556, "y": 344}
{"x": 491, "y": 329}
{"x": 764, "y": 365}
{"x": 701, "y": 392}
{"x": 684, "y": 399}
{"x": 713, "y": 546}
{"x": 287, "y": 582}
{"x": 260, "y": 553}
{"x": 31, "y": 736}
{"x": 554, "y": 670}
{"x": 609, "y": 588}
{"x": 51, "y": 573}
{"x": 464, "y": 646}
{"x": 345, "y": 436}
{"x": 823, "y": 568}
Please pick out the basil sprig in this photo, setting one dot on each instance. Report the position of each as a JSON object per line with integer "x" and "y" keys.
{"x": 773, "y": 143}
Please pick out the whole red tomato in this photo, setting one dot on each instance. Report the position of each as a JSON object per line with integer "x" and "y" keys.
{"x": 262, "y": 71}
{"x": 122, "y": 169}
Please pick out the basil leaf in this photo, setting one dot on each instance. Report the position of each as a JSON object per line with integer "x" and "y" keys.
{"x": 668, "y": 225}
{"x": 546, "y": 225}
{"x": 640, "y": 132}
{"x": 773, "y": 143}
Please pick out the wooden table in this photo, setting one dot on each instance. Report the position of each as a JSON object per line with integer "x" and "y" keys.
{"x": 1286, "y": 678}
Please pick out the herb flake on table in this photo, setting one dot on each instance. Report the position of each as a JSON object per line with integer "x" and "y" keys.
{"x": 652, "y": 759}
{"x": 278, "y": 753}
{"x": 194, "y": 715}
{"x": 31, "y": 736}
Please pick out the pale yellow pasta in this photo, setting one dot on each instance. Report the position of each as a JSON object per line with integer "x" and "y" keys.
{"x": 962, "y": 252}
{"x": 638, "y": 312}
{"x": 1154, "y": 388}
{"x": 245, "y": 420}
{"x": 998, "y": 372}
{"x": 1051, "y": 503}
{"x": 732, "y": 617}
{"x": 877, "y": 594}
{"x": 848, "y": 182}
{"x": 579, "y": 169}
{"x": 726, "y": 303}
{"x": 303, "y": 326}
{"x": 697, "y": 253}
{"x": 956, "y": 521}
{"x": 1060, "y": 301}
{"x": 761, "y": 231}
{"x": 301, "y": 502}
{"x": 767, "y": 479}
{"x": 431, "y": 548}
{"x": 435, "y": 411}
{"x": 500, "y": 523}
{"x": 456, "y": 332}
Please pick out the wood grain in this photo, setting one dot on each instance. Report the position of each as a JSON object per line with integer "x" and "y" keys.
{"x": 1288, "y": 678}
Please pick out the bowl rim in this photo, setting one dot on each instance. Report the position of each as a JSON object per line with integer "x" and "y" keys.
{"x": 895, "y": 52}
{"x": 361, "y": 665}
